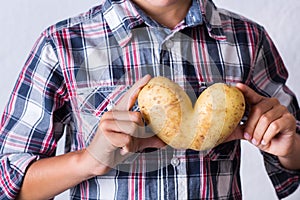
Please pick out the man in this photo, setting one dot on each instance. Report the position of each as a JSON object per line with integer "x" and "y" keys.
{"x": 76, "y": 80}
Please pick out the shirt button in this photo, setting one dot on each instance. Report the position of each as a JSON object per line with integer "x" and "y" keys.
{"x": 169, "y": 44}
{"x": 110, "y": 106}
{"x": 194, "y": 18}
{"x": 175, "y": 161}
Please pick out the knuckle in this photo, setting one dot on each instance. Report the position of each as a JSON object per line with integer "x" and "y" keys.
{"x": 107, "y": 115}
{"x": 104, "y": 124}
{"x": 113, "y": 114}
{"x": 135, "y": 116}
{"x": 283, "y": 109}
{"x": 257, "y": 110}
{"x": 275, "y": 126}
{"x": 275, "y": 101}
{"x": 129, "y": 129}
{"x": 289, "y": 116}
{"x": 265, "y": 118}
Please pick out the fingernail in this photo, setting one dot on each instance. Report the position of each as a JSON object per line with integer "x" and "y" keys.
{"x": 247, "y": 136}
{"x": 263, "y": 142}
{"x": 254, "y": 142}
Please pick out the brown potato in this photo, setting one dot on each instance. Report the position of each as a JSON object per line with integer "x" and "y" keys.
{"x": 169, "y": 112}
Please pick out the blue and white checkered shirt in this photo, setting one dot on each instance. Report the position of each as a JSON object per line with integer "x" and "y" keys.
{"x": 80, "y": 67}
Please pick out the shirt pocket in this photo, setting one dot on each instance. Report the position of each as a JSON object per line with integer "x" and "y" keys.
{"x": 96, "y": 101}
{"x": 92, "y": 103}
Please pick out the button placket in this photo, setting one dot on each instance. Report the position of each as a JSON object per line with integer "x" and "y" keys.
{"x": 175, "y": 161}
{"x": 169, "y": 44}
{"x": 178, "y": 162}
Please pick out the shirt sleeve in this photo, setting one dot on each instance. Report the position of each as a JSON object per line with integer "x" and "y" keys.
{"x": 32, "y": 121}
{"x": 268, "y": 78}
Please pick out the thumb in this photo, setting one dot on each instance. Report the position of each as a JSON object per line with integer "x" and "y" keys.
{"x": 250, "y": 95}
{"x": 131, "y": 95}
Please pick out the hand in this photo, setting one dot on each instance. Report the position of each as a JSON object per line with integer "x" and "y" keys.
{"x": 270, "y": 126}
{"x": 121, "y": 132}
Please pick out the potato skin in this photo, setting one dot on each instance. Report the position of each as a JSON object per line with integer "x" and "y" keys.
{"x": 169, "y": 112}
{"x": 220, "y": 109}
{"x": 162, "y": 103}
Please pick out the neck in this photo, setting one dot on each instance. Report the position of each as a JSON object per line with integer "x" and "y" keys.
{"x": 168, "y": 14}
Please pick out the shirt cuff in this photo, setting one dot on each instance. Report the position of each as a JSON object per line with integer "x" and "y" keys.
{"x": 284, "y": 181}
{"x": 12, "y": 169}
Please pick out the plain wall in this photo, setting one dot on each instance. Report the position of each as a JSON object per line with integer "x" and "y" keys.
{"x": 23, "y": 20}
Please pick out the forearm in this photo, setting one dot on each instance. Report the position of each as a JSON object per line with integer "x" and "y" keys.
{"x": 48, "y": 177}
{"x": 292, "y": 161}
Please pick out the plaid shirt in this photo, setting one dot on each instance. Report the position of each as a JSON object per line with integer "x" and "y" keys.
{"x": 80, "y": 67}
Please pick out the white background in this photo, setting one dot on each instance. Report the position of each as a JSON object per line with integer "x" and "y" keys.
{"x": 23, "y": 20}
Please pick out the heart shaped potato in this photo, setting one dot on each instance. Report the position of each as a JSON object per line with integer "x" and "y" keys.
{"x": 169, "y": 112}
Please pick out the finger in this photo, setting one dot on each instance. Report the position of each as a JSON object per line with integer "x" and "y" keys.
{"x": 120, "y": 141}
{"x": 116, "y": 148}
{"x": 140, "y": 144}
{"x": 250, "y": 95}
{"x": 286, "y": 123}
{"x": 128, "y": 100}
{"x": 126, "y": 127}
{"x": 124, "y": 116}
{"x": 116, "y": 122}
{"x": 255, "y": 114}
{"x": 264, "y": 123}
{"x": 122, "y": 127}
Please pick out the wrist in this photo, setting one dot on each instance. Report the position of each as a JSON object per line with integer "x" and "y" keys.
{"x": 89, "y": 167}
{"x": 292, "y": 160}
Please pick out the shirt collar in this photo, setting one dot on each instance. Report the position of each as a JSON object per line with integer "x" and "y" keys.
{"x": 212, "y": 19}
{"x": 194, "y": 15}
{"x": 122, "y": 16}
